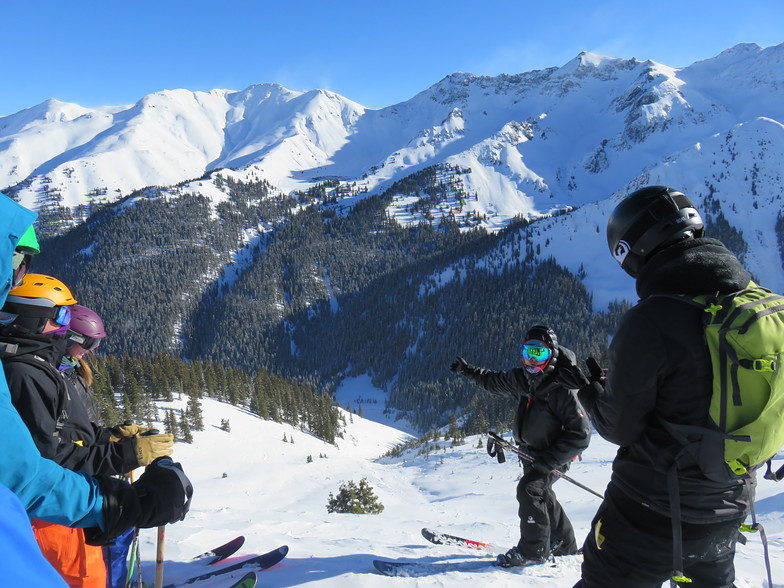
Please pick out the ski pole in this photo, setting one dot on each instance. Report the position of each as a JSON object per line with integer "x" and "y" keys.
{"x": 159, "y": 557}
{"x": 530, "y": 459}
{"x": 135, "y": 563}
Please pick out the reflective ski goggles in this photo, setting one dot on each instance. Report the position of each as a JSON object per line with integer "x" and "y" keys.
{"x": 62, "y": 316}
{"x": 38, "y": 308}
{"x": 86, "y": 343}
{"x": 22, "y": 262}
{"x": 536, "y": 350}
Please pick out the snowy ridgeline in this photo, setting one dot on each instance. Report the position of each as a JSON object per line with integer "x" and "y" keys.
{"x": 250, "y": 481}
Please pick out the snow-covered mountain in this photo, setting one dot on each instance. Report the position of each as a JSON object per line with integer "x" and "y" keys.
{"x": 257, "y": 481}
{"x": 533, "y": 142}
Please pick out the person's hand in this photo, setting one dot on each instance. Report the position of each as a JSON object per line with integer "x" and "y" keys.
{"x": 127, "y": 429}
{"x": 459, "y": 366}
{"x": 161, "y": 495}
{"x": 541, "y": 467}
{"x": 149, "y": 447}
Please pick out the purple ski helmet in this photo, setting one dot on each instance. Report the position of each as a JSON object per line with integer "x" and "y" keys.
{"x": 86, "y": 327}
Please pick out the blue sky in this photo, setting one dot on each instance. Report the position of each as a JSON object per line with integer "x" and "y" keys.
{"x": 375, "y": 52}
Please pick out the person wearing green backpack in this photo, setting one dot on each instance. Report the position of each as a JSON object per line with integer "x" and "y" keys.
{"x": 660, "y": 374}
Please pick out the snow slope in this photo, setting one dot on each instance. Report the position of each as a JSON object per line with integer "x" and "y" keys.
{"x": 249, "y": 481}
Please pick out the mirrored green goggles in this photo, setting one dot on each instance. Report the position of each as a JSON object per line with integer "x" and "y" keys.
{"x": 536, "y": 350}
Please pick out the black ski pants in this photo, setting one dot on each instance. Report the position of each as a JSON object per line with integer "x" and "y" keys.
{"x": 631, "y": 546}
{"x": 543, "y": 521}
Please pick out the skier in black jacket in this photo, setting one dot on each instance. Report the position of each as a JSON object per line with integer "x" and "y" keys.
{"x": 32, "y": 350}
{"x": 550, "y": 425}
{"x": 659, "y": 368}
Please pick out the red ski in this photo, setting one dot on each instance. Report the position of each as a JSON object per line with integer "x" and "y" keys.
{"x": 444, "y": 539}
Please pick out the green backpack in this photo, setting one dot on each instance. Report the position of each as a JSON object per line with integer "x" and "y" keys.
{"x": 744, "y": 331}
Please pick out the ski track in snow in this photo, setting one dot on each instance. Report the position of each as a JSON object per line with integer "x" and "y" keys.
{"x": 251, "y": 482}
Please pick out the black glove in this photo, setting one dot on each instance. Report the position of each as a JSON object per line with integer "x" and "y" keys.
{"x": 459, "y": 366}
{"x": 161, "y": 495}
{"x": 538, "y": 461}
{"x": 589, "y": 395}
{"x": 596, "y": 373}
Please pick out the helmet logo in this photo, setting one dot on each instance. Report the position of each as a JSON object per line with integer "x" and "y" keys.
{"x": 620, "y": 252}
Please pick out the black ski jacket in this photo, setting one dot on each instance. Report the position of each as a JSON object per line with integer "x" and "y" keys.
{"x": 53, "y": 411}
{"x": 659, "y": 368}
{"x": 550, "y": 423}
{"x": 75, "y": 378}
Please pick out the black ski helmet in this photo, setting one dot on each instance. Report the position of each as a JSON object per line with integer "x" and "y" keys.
{"x": 647, "y": 219}
{"x": 544, "y": 334}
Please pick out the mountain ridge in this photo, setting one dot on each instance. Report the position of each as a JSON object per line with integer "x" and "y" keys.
{"x": 294, "y": 138}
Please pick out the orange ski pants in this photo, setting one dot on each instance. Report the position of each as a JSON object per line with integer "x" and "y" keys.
{"x": 80, "y": 565}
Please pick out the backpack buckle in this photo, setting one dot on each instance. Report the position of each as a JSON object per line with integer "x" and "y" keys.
{"x": 764, "y": 365}
{"x": 738, "y": 467}
{"x": 746, "y": 528}
{"x": 713, "y": 308}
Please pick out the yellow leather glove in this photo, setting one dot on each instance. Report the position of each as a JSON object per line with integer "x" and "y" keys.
{"x": 120, "y": 432}
{"x": 150, "y": 447}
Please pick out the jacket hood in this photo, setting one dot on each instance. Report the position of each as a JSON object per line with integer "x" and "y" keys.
{"x": 692, "y": 267}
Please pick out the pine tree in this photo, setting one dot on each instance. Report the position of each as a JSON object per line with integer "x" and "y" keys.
{"x": 170, "y": 424}
{"x": 194, "y": 412}
{"x": 185, "y": 429}
{"x": 353, "y": 498}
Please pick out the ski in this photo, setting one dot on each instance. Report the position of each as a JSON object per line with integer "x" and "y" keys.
{"x": 439, "y": 538}
{"x": 247, "y": 581}
{"x": 413, "y": 569}
{"x": 264, "y": 561}
{"x": 407, "y": 569}
{"x": 221, "y": 552}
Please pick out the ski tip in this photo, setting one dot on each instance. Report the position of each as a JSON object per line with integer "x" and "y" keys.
{"x": 429, "y": 534}
{"x": 284, "y": 550}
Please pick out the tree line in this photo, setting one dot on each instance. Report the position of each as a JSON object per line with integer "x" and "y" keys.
{"x": 126, "y": 388}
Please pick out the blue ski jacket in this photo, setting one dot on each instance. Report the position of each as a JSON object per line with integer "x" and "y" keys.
{"x": 46, "y": 490}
